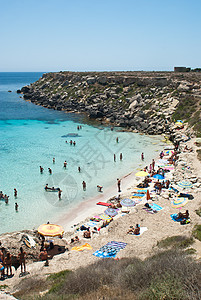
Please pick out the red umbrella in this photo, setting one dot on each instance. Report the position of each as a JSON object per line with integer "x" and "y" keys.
{"x": 148, "y": 195}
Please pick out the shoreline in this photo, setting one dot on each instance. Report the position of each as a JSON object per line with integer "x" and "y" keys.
{"x": 159, "y": 226}
{"x": 88, "y": 207}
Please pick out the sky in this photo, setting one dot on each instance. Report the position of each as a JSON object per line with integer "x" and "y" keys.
{"x": 99, "y": 35}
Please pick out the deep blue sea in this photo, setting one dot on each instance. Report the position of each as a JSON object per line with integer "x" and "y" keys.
{"x": 32, "y": 135}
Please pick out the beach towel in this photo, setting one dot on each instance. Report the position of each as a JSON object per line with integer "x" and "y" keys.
{"x": 142, "y": 230}
{"x": 83, "y": 247}
{"x": 149, "y": 210}
{"x": 140, "y": 191}
{"x": 103, "y": 203}
{"x": 173, "y": 217}
{"x": 92, "y": 224}
{"x": 110, "y": 249}
{"x": 138, "y": 195}
{"x": 105, "y": 217}
{"x": 155, "y": 206}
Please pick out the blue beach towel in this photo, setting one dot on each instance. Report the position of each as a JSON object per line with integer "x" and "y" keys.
{"x": 173, "y": 217}
{"x": 155, "y": 206}
{"x": 110, "y": 249}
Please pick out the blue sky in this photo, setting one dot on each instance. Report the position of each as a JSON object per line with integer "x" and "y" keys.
{"x": 86, "y": 35}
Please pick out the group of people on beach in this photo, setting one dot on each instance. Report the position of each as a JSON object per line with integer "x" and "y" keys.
{"x": 6, "y": 262}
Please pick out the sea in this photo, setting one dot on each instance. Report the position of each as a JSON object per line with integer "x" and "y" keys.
{"x": 31, "y": 136}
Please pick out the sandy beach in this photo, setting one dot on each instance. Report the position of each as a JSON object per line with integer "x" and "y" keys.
{"x": 159, "y": 225}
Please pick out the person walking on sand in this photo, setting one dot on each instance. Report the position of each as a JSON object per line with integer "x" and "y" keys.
{"x": 65, "y": 164}
{"x": 119, "y": 185}
{"x": 21, "y": 257}
{"x": 114, "y": 157}
{"x": 121, "y": 156}
{"x": 84, "y": 185}
{"x": 16, "y": 207}
{"x": 153, "y": 164}
{"x": 142, "y": 156}
{"x": 15, "y": 193}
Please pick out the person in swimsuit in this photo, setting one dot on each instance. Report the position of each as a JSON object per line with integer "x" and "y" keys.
{"x": 21, "y": 257}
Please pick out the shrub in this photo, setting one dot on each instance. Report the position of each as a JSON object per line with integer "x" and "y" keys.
{"x": 197, "y": 232}
{"x": 176, "y": 241}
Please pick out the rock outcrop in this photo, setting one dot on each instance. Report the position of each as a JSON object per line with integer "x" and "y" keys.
{"x": 142, "y": 101}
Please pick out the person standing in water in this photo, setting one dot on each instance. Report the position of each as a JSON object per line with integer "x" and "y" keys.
{"x": 121, "y": 156}
{"x": 114, "y": 157}
{"x": 50, "y": 171}
{"x": 117, "y": 140}
{"x": 15, "y": 193}
{"x": 79, "y": 169}
{"x": 16, "y": 207}
{"x": 41, "y": 170}
{"x": 142, "y": 156}
{"x": 59, "y": 194}
{"x": 65, "y": 164}
{"x": 53, "y": 160}
{"x": 84, "y": 185}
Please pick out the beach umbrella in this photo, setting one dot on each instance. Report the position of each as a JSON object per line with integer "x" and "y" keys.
{"x": 105, "y": 217}
{"x": 185, "y": 184}
{"x": 141, "y": 174}
{"x": 127, "y": 202}
{"x": 111, "y": 212}
{"x": 198, "y": 140}
{"x": 50, "y": 230}
{"x": 179, "y": 202}
{"x": 158, "y": 176}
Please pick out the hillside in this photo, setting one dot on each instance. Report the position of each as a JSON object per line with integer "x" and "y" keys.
{"x": 143, "y": 101}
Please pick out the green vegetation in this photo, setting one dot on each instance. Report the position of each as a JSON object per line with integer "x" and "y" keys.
{"x": 176, "y": 242}
{"x": 197, "y": 232}
{"x": 190, "y": 251}
{"x": 168, "y": 275}
{"x": 198, "y": 212}
{"x": 199, "y": 154}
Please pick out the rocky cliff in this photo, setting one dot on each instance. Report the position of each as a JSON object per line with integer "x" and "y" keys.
{"x": 142, "y": 101}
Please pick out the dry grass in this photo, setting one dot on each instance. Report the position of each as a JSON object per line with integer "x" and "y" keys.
{"x": 169, "y": 275}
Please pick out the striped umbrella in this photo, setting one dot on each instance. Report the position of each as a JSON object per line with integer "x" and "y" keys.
{"x": 179, "y": 202}
{"x": 127, "y": 202}
{"x": 185, "y": 184}
{"x": 105, "y": 217}
{"x": 111, "y": 212}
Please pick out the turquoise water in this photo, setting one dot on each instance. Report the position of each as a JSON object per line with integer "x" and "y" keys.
{"x": 31, "y": 136}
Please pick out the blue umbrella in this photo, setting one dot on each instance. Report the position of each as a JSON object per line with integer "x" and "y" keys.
{"x": 127, "y": 202}
{"x": 158, "y": 176}
{"x": 111, "y": 212}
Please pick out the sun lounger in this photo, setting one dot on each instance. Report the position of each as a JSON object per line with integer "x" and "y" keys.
{"x": 103, "y": 203}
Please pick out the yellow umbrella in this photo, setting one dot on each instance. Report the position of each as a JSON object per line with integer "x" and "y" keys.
{"x": 141, "y": 174}
{"x": 50, "y": 230}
